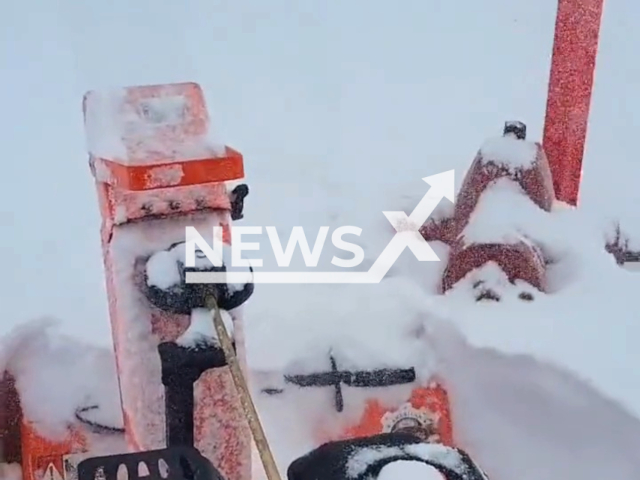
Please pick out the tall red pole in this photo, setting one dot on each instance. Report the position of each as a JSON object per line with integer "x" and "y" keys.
{"x": 570, "y": 84}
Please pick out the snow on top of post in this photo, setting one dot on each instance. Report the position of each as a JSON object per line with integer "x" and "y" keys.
{"x": 134, "y": 127}
{"x": 102, "y": 125}
{"x": 509, "y": 151}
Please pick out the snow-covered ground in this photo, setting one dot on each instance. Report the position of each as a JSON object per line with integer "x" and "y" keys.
{"x": 340, "y": 109}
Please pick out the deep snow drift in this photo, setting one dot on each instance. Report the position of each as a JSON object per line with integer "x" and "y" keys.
{"x": 536, "y": 387}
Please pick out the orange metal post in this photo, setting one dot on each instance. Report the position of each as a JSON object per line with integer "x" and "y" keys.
{"x": 570, "y": 85}
{"x": 155, "y": 163}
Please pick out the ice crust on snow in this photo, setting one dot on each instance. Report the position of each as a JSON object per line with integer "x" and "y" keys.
{"x": 509, "y": 151}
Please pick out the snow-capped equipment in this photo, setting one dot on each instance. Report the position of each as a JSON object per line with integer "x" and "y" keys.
{"x": 157, "y": 171}
{"x": 508, "y": 159}
{"x": 180, "y": 298}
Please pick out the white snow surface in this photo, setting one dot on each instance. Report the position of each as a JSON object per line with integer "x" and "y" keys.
{"x": 409, "y": 470}
{"x": 111, "y": 123}
{"x": 56, "y": 374}
{"x": 505, "y": 214}
{"x": 163, "y": 270}
{"x": 534, "y": 385}
{"x": 201, "y": 328}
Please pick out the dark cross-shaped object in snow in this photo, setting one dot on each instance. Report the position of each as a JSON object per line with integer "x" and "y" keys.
{"x": 383, "y": 377}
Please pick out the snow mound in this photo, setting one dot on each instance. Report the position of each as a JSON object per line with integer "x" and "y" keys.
{"x": 522, "y": 417}
{"x": 368, "y": 326}
{"x": 56, "y": 375}
{"x": 504, "y": 214}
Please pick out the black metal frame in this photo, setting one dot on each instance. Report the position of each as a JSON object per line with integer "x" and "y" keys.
{"x": 182, "y": 463}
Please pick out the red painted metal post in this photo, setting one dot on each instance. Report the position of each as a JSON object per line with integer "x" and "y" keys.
{"x": 570, "y": 84}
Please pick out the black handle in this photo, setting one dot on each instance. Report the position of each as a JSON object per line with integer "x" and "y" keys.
{"x": 181, "y": 367}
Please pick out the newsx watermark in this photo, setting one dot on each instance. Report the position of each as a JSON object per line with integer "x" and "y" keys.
{"x": 407, "y": 236}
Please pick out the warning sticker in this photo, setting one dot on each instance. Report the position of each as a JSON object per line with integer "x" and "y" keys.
{"x": 48, "y": 468}
{"x": 51, "y": 473}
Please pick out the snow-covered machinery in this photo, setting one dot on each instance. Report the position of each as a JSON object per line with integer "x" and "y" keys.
{"x": 503, "y": 166}
{"x": 158, "y": 171}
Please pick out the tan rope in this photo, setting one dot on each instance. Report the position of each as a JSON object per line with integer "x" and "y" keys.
{"x": 251, "y": 414}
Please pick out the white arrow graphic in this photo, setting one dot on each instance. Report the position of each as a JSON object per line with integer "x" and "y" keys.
{"x": 407, "y": 236}
{"x": 408, "y": 227}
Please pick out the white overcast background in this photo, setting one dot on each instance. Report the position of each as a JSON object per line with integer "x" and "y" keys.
{"x": 341, "y": 94}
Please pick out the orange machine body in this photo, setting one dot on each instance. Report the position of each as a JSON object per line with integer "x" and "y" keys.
{"x": 426, "y": 408}
{"x": 43, "y": 457}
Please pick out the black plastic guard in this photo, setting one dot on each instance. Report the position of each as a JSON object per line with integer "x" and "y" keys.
{"x": 180, "y": 463}
{"x": 352, "y": 459}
